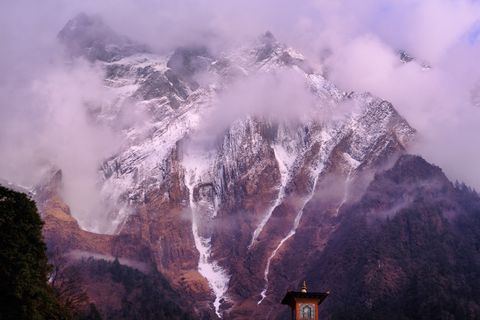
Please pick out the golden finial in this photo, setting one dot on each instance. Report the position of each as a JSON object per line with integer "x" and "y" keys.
{"x": 304, "y": 287}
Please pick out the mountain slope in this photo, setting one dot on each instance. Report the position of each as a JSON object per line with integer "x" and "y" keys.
{"x": 121, "y": 292}
{"x": 202, "y": 179}
{"x": 408, "y": 249}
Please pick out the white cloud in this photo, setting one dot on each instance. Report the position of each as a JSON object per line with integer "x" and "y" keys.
{"x": 42, "y": 100}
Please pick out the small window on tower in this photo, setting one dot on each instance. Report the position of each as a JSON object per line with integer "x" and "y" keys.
{"x": 307, "y": 312}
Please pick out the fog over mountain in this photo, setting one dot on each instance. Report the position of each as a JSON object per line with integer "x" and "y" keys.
{"x": 182, "y": 134}
{"x": 355, "y": 42}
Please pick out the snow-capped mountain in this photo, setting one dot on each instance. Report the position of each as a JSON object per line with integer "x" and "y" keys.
{"x": 218, "y": 195}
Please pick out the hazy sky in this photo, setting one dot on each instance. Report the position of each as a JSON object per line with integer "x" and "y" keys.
{"x": 42, "y": 114}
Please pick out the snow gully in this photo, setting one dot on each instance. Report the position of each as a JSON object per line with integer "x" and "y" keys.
{"x": 284, "y": 162}
{"x": 292, "y": 232}
{"x": 216, "y": 276}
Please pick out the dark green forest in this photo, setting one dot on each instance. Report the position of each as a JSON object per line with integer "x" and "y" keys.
{"x": 143, "y": 296}
{"x": 420, "y": 261}
{"x": 24, "y": 269}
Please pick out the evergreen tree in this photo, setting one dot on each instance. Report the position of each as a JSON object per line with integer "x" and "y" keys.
{"x": 24, "y": 268}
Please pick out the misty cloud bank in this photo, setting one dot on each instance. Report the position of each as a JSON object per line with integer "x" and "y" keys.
{"x": 44, "y": 96}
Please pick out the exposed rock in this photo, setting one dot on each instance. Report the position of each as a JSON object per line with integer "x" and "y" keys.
{"x": 227, "y": 218}
{"x": 88, "y": 36}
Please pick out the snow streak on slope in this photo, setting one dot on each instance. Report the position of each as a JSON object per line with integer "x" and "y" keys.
{"x": 284, "y": 161}
{"x": 345, "y": 195}
{"x": 292, "y": 232}
{"x": 353, "y": 165}
{"x": 216, "y": 276}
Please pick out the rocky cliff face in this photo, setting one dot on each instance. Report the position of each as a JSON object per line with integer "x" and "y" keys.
{"x": 230, "y": 212}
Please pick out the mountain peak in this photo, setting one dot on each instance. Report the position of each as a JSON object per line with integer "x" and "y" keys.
{"x": 268, "y": 37}
{"x": 82, "y": 20}
{"x": 415, "y": 168}
{"x": 88, "y": 36}
{"x": 267, "y": 45}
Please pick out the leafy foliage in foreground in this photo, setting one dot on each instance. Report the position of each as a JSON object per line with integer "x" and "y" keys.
{"x": 24, "y": 269}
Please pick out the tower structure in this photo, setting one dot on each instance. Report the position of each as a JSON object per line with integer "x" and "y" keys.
{"x": 304, "y": 304}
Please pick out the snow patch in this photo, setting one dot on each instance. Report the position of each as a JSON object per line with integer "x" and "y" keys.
{"x": 353, "y": 164}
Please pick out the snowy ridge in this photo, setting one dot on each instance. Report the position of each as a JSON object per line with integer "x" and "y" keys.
{"x": 241, "y": 143}
{"x": 141, "y": 165}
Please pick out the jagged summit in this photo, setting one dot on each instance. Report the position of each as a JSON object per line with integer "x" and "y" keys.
{"x": 268, "y": 37}
{"x": 406, "y": 57}
{"x": 267, "y": 49}
{"x": 89, "y": 36}
{"x": 264, "y": 184}
{"x": 267, "y": 45}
